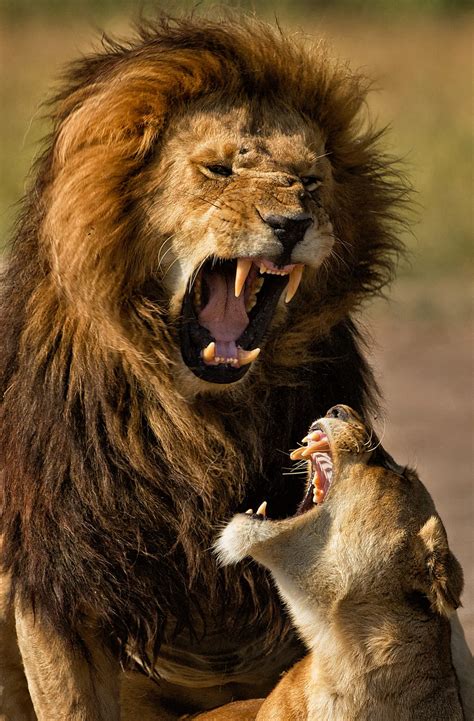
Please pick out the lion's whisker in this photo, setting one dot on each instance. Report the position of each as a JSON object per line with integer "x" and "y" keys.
{"x": 162, "y": 256}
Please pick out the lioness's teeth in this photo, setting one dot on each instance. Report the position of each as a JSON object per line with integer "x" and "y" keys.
{"x": 241, "y": 273}
{"x": 319, "y": 495}
{"x": 262, "y": 509}
{"x": 209, "y": 352}
{"x": 249, "y": 512}
{"x": 294, "y": 281}
{"x": 247, "y": 356}
{"x": 313, "y": 436}
{"x": 314, "y": 447}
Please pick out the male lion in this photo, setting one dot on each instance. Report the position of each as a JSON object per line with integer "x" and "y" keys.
{"x": 196, "y": 178}
{"x": 366, "y": 571}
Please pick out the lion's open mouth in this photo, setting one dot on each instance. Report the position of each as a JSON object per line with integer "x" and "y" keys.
{"x": 227, "y": 310}
{"x": 318, "y": 452}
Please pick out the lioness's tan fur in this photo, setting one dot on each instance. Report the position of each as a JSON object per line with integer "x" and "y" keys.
{"x": 370, "y": 582}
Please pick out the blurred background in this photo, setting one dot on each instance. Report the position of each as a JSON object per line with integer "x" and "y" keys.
{"x": 420, "y": 54}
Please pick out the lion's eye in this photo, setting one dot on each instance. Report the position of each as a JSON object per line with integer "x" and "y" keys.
{"x": 311, "y": 182}
{"x": 223, "y": 170}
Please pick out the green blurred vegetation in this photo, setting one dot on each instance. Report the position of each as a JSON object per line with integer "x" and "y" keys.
{"x": 22, "y": 8}
{"x": 422, "y": 63}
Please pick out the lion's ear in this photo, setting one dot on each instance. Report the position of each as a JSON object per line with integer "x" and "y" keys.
{"x": 441, "y": 573}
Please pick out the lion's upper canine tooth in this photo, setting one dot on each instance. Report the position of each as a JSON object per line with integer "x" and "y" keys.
{"x": 294, "y": 281}
{"x": 247, "y": 356}
{"x": 241, "y": 273}
{"x": 209, "y": 352}
{"x": 262, "y": 509}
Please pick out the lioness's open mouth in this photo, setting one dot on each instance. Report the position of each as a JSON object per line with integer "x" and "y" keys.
{"x": 318, "y": 452}
{"x": 226, "y": 312}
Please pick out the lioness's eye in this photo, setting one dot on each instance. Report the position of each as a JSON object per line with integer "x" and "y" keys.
{"x": 311, "y": 182}
{"x": 219, "y": 170}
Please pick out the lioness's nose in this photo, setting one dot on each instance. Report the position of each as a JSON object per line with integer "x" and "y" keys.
{"x": 289, "y": 229}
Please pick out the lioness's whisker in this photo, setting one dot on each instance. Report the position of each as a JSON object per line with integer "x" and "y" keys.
{"x": 370, "y": 450}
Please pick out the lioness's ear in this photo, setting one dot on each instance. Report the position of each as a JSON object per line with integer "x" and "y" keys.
{"x": 443, "y": 576}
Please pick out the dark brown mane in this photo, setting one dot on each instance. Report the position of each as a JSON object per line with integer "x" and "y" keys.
{"x": 114, "y": 484}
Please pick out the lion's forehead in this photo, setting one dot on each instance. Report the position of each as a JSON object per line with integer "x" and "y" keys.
{"x": 287, "y": 142}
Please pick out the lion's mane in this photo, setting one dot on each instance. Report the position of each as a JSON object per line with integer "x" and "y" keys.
{"x": 114, "y": 484}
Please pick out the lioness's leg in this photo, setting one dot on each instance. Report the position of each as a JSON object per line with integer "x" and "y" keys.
{"x": 67, "y": 684}
{"x": 15, "y": 702}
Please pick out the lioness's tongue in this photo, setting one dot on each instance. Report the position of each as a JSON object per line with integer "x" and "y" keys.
{"x": 224, "y": 315}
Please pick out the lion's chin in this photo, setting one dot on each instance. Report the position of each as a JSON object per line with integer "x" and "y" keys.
{"x": 226, "y": 313}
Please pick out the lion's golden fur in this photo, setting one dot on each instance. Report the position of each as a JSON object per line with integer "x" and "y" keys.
{"x": 115, "y": 478}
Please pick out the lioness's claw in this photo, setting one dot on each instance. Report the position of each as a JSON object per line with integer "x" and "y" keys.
{"x": 241, "y": 273}
{"x": 294, "y": 281}
{"x": 262, "y": 509}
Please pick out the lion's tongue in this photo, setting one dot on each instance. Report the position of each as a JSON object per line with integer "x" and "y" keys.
{"x": 224, "y": 315}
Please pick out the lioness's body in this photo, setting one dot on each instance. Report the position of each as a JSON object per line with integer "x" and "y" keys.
{"x": 370, "y": 584}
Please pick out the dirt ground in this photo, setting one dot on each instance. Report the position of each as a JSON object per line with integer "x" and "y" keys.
{"x": 425, "y": 369}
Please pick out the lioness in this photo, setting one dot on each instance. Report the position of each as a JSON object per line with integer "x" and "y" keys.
{"x": 366, "y": 572}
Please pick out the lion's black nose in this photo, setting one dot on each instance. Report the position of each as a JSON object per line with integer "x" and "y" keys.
{"x": 340, "y": 412}
{"x": 289, "y": 229}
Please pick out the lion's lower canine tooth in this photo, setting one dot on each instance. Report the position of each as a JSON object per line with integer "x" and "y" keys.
{"x": 241, "y": 273}
{"x": 209, "y": 352}
{"x": 262, "y": 509}
{"x": 294, "y": 281}
{"x": 247, "y": 356}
